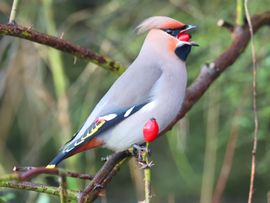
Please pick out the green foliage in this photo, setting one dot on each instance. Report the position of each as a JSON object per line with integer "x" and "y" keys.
{"x": 45, "y": 96}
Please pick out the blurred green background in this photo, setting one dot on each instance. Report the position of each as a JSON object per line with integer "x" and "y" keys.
{"x": 45, "y": 97}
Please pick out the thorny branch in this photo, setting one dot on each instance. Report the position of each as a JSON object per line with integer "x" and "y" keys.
{"x": 209, "y": 73}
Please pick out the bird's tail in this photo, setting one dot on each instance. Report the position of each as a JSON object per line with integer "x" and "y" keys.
{"x": 74, "y": 146}
{"x": 57, "y": 159}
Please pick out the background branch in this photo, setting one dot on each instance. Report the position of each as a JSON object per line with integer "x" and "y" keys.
{"x": 25, "y": 185}
{"x": 13, "y": 12}
{"x": 62, "y": 45}
{"x": 254, "y": 105}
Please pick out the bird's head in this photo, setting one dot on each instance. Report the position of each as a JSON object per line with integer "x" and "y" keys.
{"x": 168, "y": 35}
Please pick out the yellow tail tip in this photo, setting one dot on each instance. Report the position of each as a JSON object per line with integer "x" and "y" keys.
{"x": 50, "y": 166}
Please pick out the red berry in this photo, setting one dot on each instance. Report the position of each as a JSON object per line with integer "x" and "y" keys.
{"x": 184, "y": 36}
{"x": 150, "y": 130}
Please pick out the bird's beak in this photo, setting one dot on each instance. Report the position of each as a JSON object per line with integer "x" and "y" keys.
{"x": 185, "y": 30}
{"x": 188, "y": 27}
{"x": 194, "y": 44}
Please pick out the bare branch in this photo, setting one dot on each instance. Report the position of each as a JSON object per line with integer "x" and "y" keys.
{"x": 37, "y": 188}
{"x": 225, "y": 24}
{"x": 62, "y": 45}
{"x": 13, "y": 12}
{"x": 254, "y": 104}
{"x": 103, "y": 176}
{"x": 26, "y": 173}
{"x": 63, "y": 187}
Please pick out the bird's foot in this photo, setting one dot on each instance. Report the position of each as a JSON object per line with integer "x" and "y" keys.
{"x": 145, "y": 165}
{"x": 139, "y": 150}
{"x": 12, "y": 23}
{"x": 106, "y": 158}
{"x": 142, "y": 153}
{"x": 98, "y": 186}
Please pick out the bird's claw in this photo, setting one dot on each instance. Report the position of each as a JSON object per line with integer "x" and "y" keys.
{"x": 106, "y": 158}
{"x": 97, "y": 186}
{"x": 139, "y": 150}
{"x": 12, "y": 23}
{"x": 144, "y": 165}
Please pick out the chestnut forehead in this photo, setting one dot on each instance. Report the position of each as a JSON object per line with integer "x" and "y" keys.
{"x": 172, "y": 25}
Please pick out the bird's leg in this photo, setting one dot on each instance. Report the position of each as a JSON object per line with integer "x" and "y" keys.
{"x": 142, "y": 153}
{"x": 106, "y": 158}
{"x": 98, "y": 186}
{"x": 138, "y": 150}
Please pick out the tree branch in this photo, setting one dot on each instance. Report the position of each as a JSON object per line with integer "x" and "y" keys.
{"x": 62, "y": 45}
{"x": 27, "y": 173}
{"x": 209, "y": 73}
{"x": 103, "y": 176}
{"x": 25, "y": 185}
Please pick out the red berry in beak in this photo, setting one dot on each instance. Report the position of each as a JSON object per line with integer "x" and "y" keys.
{"x": 184, "y": 37}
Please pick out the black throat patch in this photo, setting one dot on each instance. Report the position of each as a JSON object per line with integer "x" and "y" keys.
{"x": 183, "y": 51}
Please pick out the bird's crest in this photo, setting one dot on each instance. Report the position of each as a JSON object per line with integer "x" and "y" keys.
{"x": 158, "y": 22}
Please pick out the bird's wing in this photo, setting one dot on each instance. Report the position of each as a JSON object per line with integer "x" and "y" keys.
{"x": 130, "y": 92}
{"x": 132, "y": 88}
{"x": 101, "y": 124}
{"x": 87, "y": 139}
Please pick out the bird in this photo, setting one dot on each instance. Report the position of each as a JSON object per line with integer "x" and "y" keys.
{"x": 152, "y": 89}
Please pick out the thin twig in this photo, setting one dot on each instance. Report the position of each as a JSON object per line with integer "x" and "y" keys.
{"x": 63, "y": 187}
{"x": 37, "y": 188}
{"x": 147, "y": 175}
{"x": 225, "y": 24}
{"x": 103, "y": 176}
{"x": 26, "y": 173}
{"x": 239, "y": 20}
{"x": 13, "y": 12}
{"x": 254, "y": 102}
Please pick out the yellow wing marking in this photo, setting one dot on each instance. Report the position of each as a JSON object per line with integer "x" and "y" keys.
{"x": 94, "y": 130}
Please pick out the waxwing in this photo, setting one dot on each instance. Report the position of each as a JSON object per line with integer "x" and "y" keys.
{"x": 151, "y": 89}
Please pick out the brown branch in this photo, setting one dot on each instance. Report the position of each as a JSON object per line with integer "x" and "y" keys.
{"x": 58, "y": 43}
{"x": 103, "y": 176}
{"x": 25, "y": 185}
{"x": 254, "y": 105}
{"x": 27, "y": 173}
{"x": 63, "y": 187}
{"x": 222, "y": 23}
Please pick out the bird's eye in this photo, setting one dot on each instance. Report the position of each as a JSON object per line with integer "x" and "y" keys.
{"x": 169, "y": 31}
{"x": 173, "y": 32}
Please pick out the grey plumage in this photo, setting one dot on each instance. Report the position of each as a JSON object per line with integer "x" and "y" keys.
{"x": 156, "y": 78}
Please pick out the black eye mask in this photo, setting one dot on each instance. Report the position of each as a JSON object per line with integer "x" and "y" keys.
{"x": 174, "y": 32}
